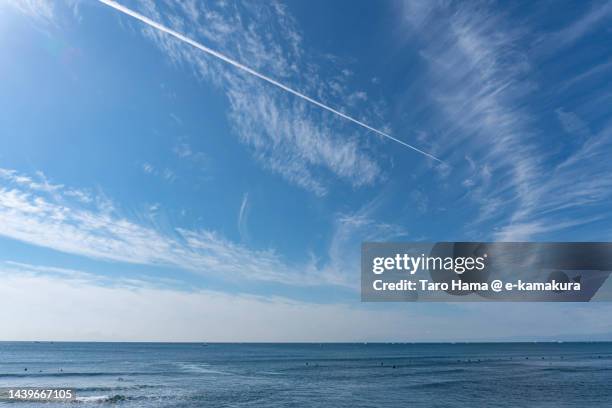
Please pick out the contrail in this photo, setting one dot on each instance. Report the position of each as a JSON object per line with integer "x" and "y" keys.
{"x": 238, "y": 65}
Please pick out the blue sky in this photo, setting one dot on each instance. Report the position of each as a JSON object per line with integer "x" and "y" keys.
{"x": 141, "y": 177}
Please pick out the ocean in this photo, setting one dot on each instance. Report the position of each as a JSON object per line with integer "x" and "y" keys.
{"x": 314, "y": 375}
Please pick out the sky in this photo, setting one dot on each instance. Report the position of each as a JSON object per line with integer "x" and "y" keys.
{"x": 152, "y": 191}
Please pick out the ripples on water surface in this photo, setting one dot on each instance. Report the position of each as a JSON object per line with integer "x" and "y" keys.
{"x": 313, "y": 375}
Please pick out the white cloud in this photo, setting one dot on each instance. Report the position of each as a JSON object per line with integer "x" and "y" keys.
{"x": 39, "y": 9}
{"x": 43, "y": 303}
{"x": 38, "y": 183}
{"x": 293, "y": 143}
{"x": 350, "y": 230}
{"x": 479, "y": 77}
{"x": 420, "y": 201}
{"x": 58, "y": 218}
{"x": 302, "y": 144}
{"x": 166, "y": 174}
{"x": 131, "y": 311}
{"x": 572, "y": 123}
{"x": 148, "y": 168}
{"x": 186, "y": 152}
{"x": 589, "y": 74}
{"x": 82, "y": 196}
{"x": 169, "y": 175}
{"x": 183, "y": 150}
{"x": 60, "y": 222}
{"x": 356, "y": 98}
{"x": 526, "y": 230}
{"x": 153, "y": 208}
{"x": 243, "y": 216}
{"x": 480, "y": 81}
{"x": 580, "y": 27}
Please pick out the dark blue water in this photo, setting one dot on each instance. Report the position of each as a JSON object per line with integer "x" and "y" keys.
{"x": 312, "y": 375}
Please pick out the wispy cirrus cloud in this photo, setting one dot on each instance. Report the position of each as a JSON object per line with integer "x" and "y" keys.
{"x": 350, "y": 230}
{"x": 302, "y": 144}
{"x": 39, "y": 9}
{"x": 308, "y": 148}
{"x": 477, "y": 72}
{"x": 572, "y": 123}
{"x": 479, "y": 69}
{"x": 243, "y": 216}
{"x": 597, "y": 14}
{"x": 238, "y": 65}
{"x": 57, "y": 217}
{"x": 90, "y": 225}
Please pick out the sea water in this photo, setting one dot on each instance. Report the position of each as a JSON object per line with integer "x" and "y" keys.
{"x": 314, "y": 375}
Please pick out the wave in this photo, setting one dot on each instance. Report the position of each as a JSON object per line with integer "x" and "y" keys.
{"x": 200, "y": 368}
{"x": 440, "y": 384}
{"x": 74, "y": 374}
{"x": 101, "y": 398}
{"x": 122, "y": 388}
{"x": 575, "y": 369}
